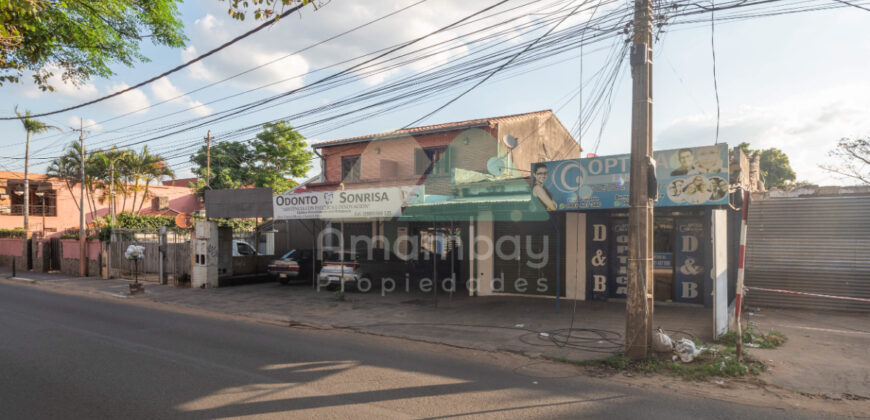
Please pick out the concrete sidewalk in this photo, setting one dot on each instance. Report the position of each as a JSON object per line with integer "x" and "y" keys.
{"x": 825, "y": 353}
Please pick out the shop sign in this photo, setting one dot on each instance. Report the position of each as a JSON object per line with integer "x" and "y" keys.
{"x": 663, "y": 260}
{"x": 346, "y": 204}
{"x": 619, "y": 256}
{"x": 597, "y": 262}
{"x": 685, "y": 177}
{"x": 690, "y": 264}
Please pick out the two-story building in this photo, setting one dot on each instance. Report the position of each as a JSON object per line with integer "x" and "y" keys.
{"x": 466, "y": 172}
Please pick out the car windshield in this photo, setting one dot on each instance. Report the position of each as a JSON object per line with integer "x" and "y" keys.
{"x": 289, "y": 255}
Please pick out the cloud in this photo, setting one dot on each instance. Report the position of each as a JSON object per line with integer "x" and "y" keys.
{"x": 81, "y": 91}
{"x": 132, "y": 101}
{"x": 286, "y": 73}
{"x": 163, "y": 90}
{"x": 299, "y": 31}
{"x": 805, "y": 126}
{"x": 87, "y": 123}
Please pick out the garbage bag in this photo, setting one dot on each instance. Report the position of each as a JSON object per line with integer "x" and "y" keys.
{"x": 686, "y": 350}
{"x": 661, "y": 343}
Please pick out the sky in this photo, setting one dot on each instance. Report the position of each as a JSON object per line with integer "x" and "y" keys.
{"x": 795, "y": 82}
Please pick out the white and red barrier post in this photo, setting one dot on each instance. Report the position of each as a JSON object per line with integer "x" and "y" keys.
{"x": 741, "y": 260}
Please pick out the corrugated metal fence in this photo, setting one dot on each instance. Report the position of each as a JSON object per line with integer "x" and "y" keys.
{"x": 816, "y": 245}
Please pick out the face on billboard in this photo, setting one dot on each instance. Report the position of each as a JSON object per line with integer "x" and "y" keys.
{"x": 687, "y": 176}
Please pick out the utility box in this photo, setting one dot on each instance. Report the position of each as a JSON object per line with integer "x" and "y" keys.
{"x": 204, "y": 273}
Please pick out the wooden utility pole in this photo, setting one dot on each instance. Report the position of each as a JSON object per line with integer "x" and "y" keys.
{"x": 83, "y": 264}
{"x": 27, "y": 186}
{"x": 639, "y": 302}
{"x": 208, "y": 139}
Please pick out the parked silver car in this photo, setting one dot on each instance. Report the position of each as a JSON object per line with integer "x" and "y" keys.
{"x": 351, "y": 269}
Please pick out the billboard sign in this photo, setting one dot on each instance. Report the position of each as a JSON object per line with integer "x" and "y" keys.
{"x": 346, "y": 204}
{"x": 686, "y": 177}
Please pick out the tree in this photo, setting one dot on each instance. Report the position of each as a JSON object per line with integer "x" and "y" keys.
{"x": 263, "y": 9}
{"x": 853, "y": 159}
{"x": 68, "y": 166}
{"x": 280, "y": 153}
{"x": 31, "y": 126}
{"x": 229, "y": 161}
{"x": 110, "y": 159}
{"x": 277, "y": 154}
{"x": 81, "y": 38}
{"x": 154, "y": 169}
{"x": 774, "y": 165}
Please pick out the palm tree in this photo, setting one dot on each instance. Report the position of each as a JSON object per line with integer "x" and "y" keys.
{"x": 109, "y": 159}
{"x": 68, "y": 167}
{"x": 31, "y": 126}
{"x": 154, "y": 168}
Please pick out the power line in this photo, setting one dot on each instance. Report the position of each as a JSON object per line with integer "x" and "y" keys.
{"x": 853, "y": 5}
{"x": 172, "y": 70}
{"x": 511, "y": 60}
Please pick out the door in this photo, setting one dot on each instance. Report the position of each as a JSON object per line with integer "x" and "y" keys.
{"x": 575, "y": 256}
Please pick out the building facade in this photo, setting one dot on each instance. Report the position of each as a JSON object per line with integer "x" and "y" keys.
{"x": 54, "y": 203}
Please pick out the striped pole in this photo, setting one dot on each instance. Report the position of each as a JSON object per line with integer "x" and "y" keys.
{"x": 741, "y": 259}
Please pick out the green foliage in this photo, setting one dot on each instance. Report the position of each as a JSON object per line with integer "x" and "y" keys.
{"x": 277, "y": 153}
{"x": 73, "y": 233}
{"x": 775, "y": 167}
{"x": 707, "y": 364}
{"x": 125, "y": 171}
{"x": 771, "y": 340}
{"x": 81, "y": 39}
{"x": 238, "y": 225}
{"x": 280, "y": 152}
{"x": 262, "y": 9}
{"x": 13, "y": 233}
{"x": 146, "y": 221}
{"x": 852, "y": 159}
{"x": 229, "y": 165}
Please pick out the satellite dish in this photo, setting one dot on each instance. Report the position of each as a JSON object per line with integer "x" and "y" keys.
{"x": 495, "y": 166}
{"x": 184, "y": 220}
{"x": 510, "y": 141}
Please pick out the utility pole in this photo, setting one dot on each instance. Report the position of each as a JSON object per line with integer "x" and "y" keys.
{"x": 639, "y": 302}
{"x": 112, "y": 189}
{"x": 83, "y": 265}
{"x": 208, "y": 139}
{"x": 27, "y": 186}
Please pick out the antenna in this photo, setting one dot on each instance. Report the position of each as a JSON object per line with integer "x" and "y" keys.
{"x": 495, "y": 166}
{"x": 510, "y": 141}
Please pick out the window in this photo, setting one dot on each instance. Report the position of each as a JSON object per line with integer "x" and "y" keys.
{"x": 350, "y": 168}
{"x": 244, "y": 249}
{"x": 432, "y": 160}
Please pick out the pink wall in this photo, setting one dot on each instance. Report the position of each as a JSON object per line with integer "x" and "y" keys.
{"x": 70, "y": 248}
{"x": 12, "y": 246}
{"x": 180, "y": 199}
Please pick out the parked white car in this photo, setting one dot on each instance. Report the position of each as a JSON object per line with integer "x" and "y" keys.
{"x": 242, "y": 249}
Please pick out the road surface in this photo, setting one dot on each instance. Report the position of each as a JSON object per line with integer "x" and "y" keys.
{"x": 73, "y": 356}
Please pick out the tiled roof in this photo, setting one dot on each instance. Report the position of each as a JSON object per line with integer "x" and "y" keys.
{"x": 432, "y": 128}
{"x": 11, "y": 176}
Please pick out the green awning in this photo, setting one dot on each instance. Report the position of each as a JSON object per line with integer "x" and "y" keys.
{"x": 508, "y": 207}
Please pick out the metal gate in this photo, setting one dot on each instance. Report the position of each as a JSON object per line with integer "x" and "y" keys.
{"x": 54, "y": 254}
{"x": 540, "y": 272}
{"x": 815, "y": 245}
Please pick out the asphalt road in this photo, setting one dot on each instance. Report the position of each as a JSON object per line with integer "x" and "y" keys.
{"x": 70, "y": 356}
